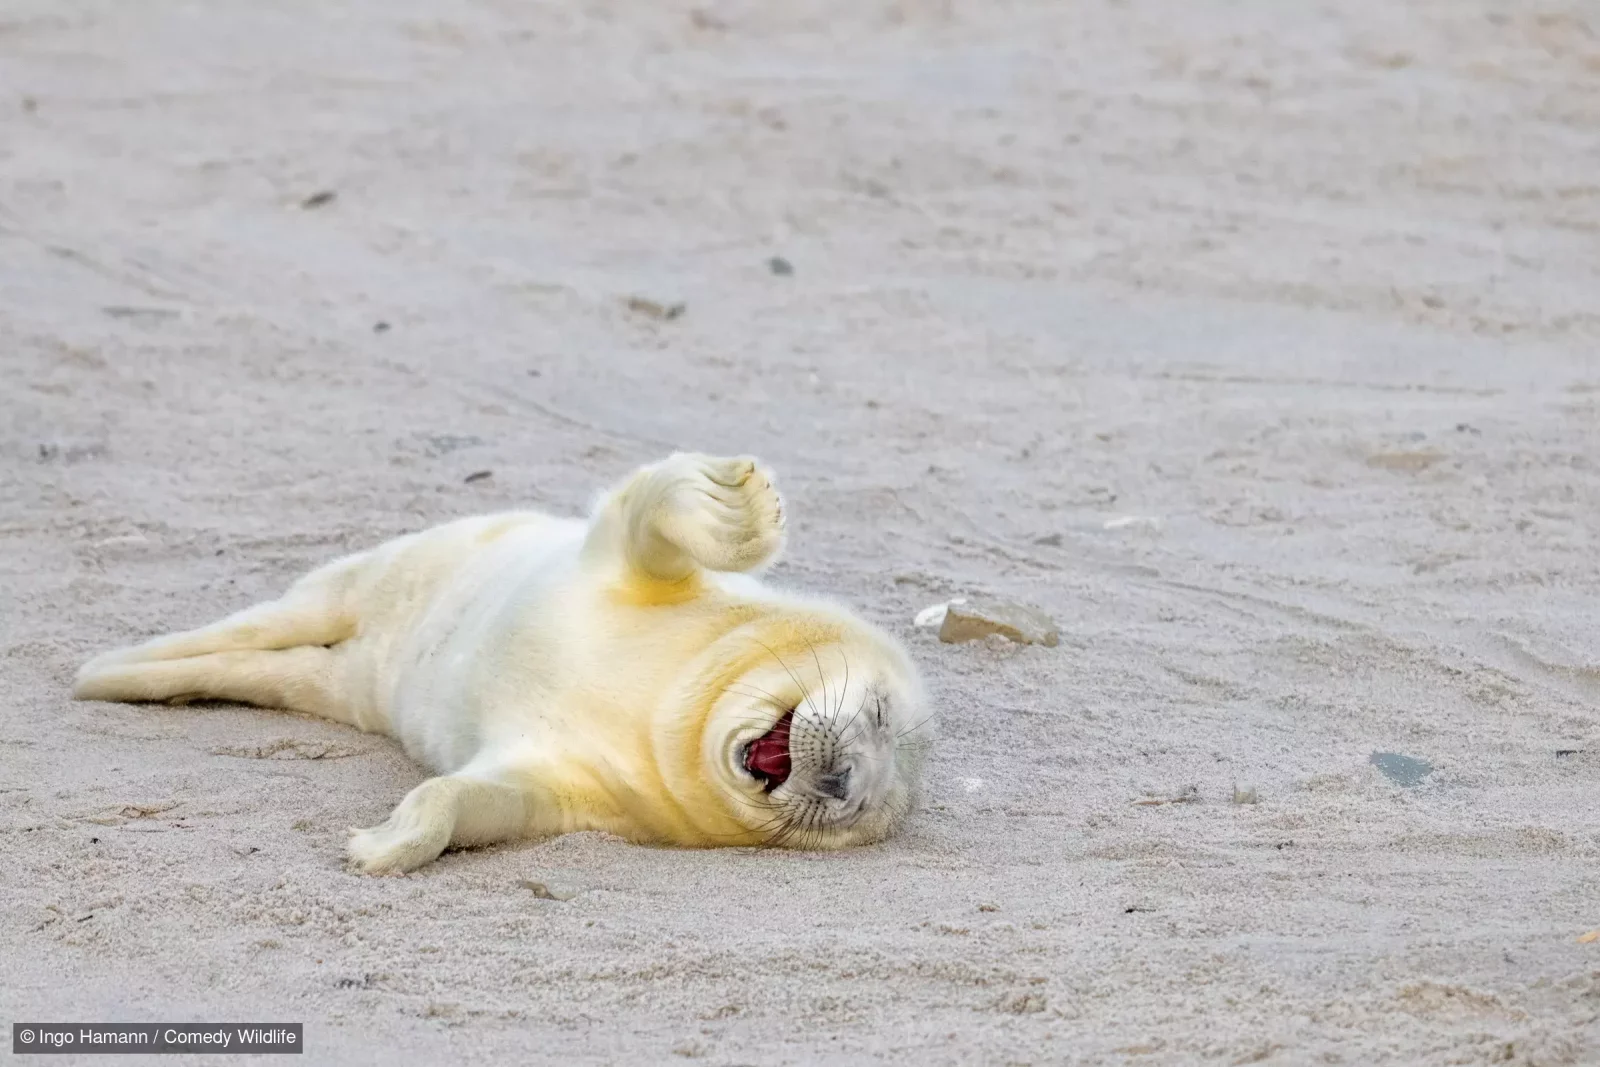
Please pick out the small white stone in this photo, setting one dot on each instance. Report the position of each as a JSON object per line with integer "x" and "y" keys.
{"x": 1133, "y": 522}
{"x": 934, "y": 614}
{"x": 979, "y": 619}
{"x": 122, "y": 539}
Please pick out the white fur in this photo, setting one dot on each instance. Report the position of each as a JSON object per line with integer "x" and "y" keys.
{"x": 561, "y": 675}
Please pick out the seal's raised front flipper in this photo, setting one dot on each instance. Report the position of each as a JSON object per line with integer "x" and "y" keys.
{"x": 688, "y": 512}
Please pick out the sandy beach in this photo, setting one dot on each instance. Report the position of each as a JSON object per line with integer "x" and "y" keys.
{"x": 1255, "y": 343}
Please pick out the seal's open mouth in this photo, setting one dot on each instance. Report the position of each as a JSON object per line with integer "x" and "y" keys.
{"x": 767, "y": 757}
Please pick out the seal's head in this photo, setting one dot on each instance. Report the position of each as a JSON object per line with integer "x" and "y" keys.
{"x": 814, "y": 735}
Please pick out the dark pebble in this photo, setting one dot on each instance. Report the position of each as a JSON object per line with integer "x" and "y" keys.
{"x": 1403, "y": 771}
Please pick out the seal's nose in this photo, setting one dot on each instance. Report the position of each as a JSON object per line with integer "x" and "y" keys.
{"x": 835, "y": 785}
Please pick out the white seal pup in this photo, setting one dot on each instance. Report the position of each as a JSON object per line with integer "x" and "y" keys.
{"x": 615, "y": 674}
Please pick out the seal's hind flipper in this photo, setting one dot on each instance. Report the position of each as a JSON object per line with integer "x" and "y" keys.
{"x": 299, "y": 679}
{"x": 272, "y": 653}
{"x": 319, "y": 609}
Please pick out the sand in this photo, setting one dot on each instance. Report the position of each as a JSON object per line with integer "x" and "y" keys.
{"x": 1253, "y": 342}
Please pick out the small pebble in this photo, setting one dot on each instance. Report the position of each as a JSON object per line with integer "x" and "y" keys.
{"x": 71, "y": 452}
{"x": 975, "y": 619}
{"x": 657, "y": 309}
{"x": 122, "y": 540}
{"x": 478, "y": 476}
{"x": 1050, "y": 540}
{"x": 139, "y": 312}
{"x": 1023, "y": 1003}
{"x": 319, "y": 199}
{"x": 1189, "y": 794}
{"x": 442, "y": 444}
{"x": 1410, "y": 462}
{"x": 933, "y": 615}
{"x": 548, "y": 890}
{"x": 1133, "y": 522}
{"x": 380, "y": 327}
{"x": 1403, "y": 771}
{"x": 780, "y": 266}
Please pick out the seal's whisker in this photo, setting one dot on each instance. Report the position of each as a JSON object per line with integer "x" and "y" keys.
{"x": 822, "y": 677}
{"x": 854, "y": 717}
{"x": 780, "y": 836}
{"x": 766, "y": 693}
{"x": 762, "y": 725}
{"x": 844, "y": 691}
{"x": 805, "y": 694}
{"x": 799, "y": 823}
{"x": 759, "y": 694}
{"x": 760, "y": 830}
{"x": 914, "y": 727}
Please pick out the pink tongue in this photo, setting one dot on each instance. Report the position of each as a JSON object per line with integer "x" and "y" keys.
{"x": 768, "y": 755}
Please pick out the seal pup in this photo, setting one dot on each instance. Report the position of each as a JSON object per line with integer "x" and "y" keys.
{"x": 627, "y": 673}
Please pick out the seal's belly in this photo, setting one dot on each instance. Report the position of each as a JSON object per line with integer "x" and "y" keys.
{"x": 437, "y": 618}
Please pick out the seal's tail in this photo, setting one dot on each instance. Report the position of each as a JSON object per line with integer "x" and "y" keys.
{"x": 280, "y": 653}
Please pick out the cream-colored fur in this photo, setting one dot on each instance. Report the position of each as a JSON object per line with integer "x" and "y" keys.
{"x": 562, "y": 675}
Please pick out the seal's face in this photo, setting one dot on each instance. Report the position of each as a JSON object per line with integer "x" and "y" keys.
{"x": 821, "y": 749}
